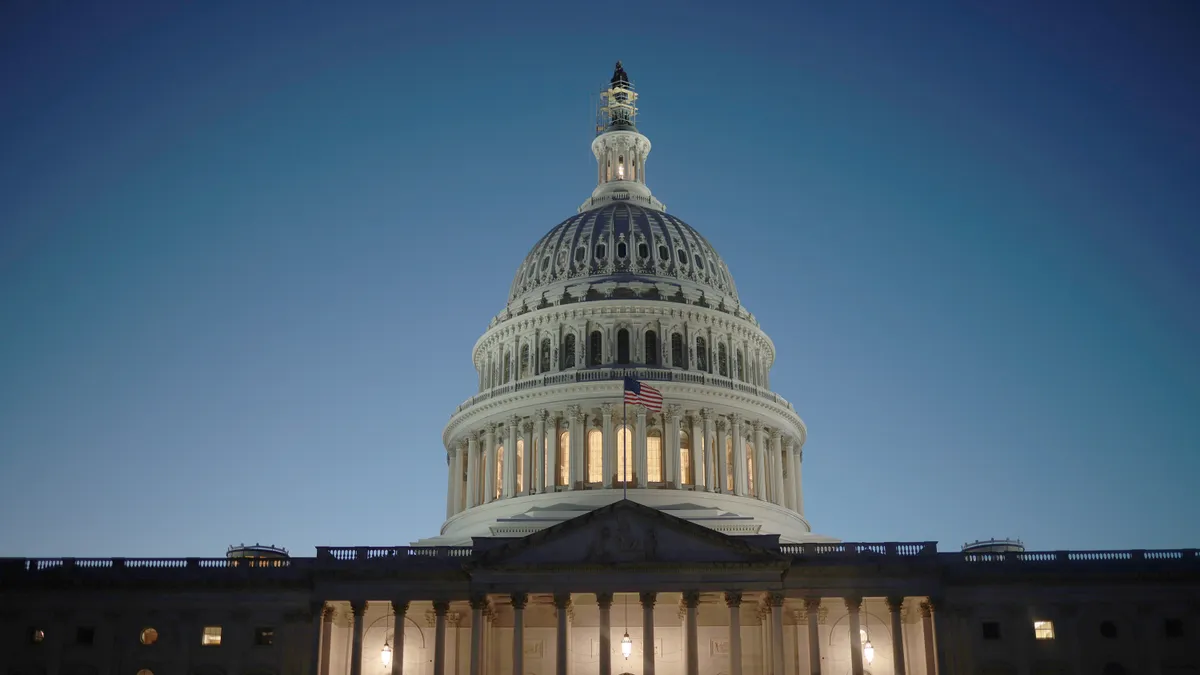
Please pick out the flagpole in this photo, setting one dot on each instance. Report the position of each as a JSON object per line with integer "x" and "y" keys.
{"x": 624, "y": 453}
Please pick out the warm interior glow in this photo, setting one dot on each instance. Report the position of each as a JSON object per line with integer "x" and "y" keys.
{"x": 626, "y": 646}
{"x": 868, "y": 653}
{"x": 385, "y": 654}
{"x": 620, "y": 171}
{"x": 1043, "y": 630}
{"x": 211, "y": 636}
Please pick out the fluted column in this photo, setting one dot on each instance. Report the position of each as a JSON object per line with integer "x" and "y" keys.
{"x": 760, "y": 463}
{"x": 691, "y": 603}
{"x": 440, "y": 608}
{"x": 894, "y": 606}
{"x": 575, "y": 469}
{"x": 489, "y": 469}
{"x": 777, "y": 496}
{"x": 647, "y": 599}
{"x": 539, "y": 456}
{"x": 856, "y": 657}
{"x": 610, "y": 445}
{"x": 776, "y": 602}
{"x": 713, "y": 450}
{"x": 604, "y": 602}
{"x": 318, "y": 619}
{"x": 561, "y": 602}
{"x": 552, "y": 474}
{"x": 478, "y": 602}
{"x": 518, "y": 641}
{"x": 327, "y": 615}
{"x": 510, "y": 457}
{"x": 671, "y": 445}
{"x": 739, "y": 455}
{"x": 812, "y": 606}
{"x": 472, "y": 470}
{"x": 789, "y": 482}
{"x": 357, "y": 608}
{"x": 733, "y": 599}
{"x": 639, "y": 447}
{"x": 527, "y": 484}
{"x": 722, "y": 459}
{"x": 450, "y": 453}
{"x": 799, "y": 454}
{"x": 400, "y": 607}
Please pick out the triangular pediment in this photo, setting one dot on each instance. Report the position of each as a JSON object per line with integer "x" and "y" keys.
{"x": 626, "y": 533}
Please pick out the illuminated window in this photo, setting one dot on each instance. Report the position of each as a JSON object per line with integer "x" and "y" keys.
{"x": 149, "y": 636}
{"x": 1043, "y": 630}
{"x": 145, "y": 671}
{"x": 520, "y": 464}
{"x": 654, "y": 456}
{"x": 595, "y": 456}
{"x": 750, "y": 470}
{"x": 264, "y": 637}
{"x": 624, "y": 454}
{"x": 211, "y": 636}
{"x": 499, "y": 471}
{"x": 564, "y": 458}
{"x": 685, "y": 458}
{"x": 729, "y": 464}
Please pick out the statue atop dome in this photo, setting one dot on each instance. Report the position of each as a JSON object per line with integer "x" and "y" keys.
{"x": 619, "y": 77}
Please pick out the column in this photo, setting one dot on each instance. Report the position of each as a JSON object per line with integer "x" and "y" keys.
{"x": 472, "y": 469}
{"x": 927, "y": 634}
{"x": 401, "y": 609}
{"x": 609, "y": 444}
{"x": 812, "y": 606}
{"x": 552, "y": 452}
{"x": 776, "y": 601}
{"x": 708, "y": 423}
{"x": 561, "y": 602}
{"x": 510, "y": 458}
{"x": 527, "y": 484}
{"x": 459, "y": 469}
{"x": 450, "y": 453}
{"x": 604, "y": 602}
{"x": 478, "y": 602}
{"x": 734, "y": 600}
{"x": 440, "y": 607}
{"x": 856, "y": 658}
{"x": 358, "y": 608}
{"x": 691, "y": 602}
{"x": 760, "y": 460}
{"x": 489, "y": 468}
{"x": 518, "y": 645}
{"x": 699, "y": 454}
{"x": 739, "y": 455}
{"x": 318, "y": 619}
{"x": 575, "y": 419}
{"x": 777, "y": 496}
{"x": 722, "y": 460}
{"x": 799, "y": 464}
{"x": 894, "y": 606}
{"x": 647, "y": 599}
{"x": 789, "y": 483}
{"x": 327, "y": 615}
{"x": 540, "y": 454}
{"x": 639, "y": 449}
{"x": 671, "y": 442}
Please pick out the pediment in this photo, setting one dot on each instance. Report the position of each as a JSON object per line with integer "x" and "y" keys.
{"x": 626, "y": 533}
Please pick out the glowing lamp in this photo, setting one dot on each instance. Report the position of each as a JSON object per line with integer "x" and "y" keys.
{"x": 385, "y": 654}
{"x": 626, "y": 646}
{"x": 868, "y": 653}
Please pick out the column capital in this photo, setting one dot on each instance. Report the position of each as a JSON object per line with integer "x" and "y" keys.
{"x": 756, "y": 425}
{"x": 604, "y": 600}
{"x": 400, "y": 607}
{"x": 519, "y": 600}
{"x": 527, "y": 427}
{"x": 641, "y": 413}
{"x": 440, "y": 607}
{"x": 358, "y": 607}
{"x": 328, "y": 613}
{"x": 853, "y": 603}
{"x": 776, "y": 598}
{"x": 774, "y": 435}
{"x": 453, "y": 618}
{"x": 606, "y": 409}
{"x": 722, "y": 425}
{"x": 476, "y": 436}
{"x": 735, "y": 418}
{"x": 691, "y": 599}
{"x": 479, "y": 601}
{"x": 562, "y": 600}
{"x": 895, "y": 603}
{"x": 733, "y": 598}
{"x": 514, "y": 422}
{"x": 926, "y": 609}
{"x": 462, "y": 444}
{"x": 812, "y": 605}
{"x": 543, "y": 414}
{"x": 706, "y": 414}
{"x": 787, "y": 443}
{"x": 647, "y": 598}
{"x": 674, "y": 411}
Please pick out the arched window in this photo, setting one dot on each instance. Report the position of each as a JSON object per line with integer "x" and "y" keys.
{"x": 622, "y": 250}
{"x": 568, "y": 359}
{"x": 544, "y": 357}
{"x": 651, "y": 348}
{"x": 685, "y": 457}
{"x": 729, "y": 464}
{"x": 524, "y": 361}
{"x": 677, "y": 350}
{"x": 520, "y": 465}
{"x": 624, "y": 454}
{"x": 741, "y": 366}
{"x": 702, "y": 355}
{"x": 564, "y": 458}
{"x": 595, "y": 349}
{"x": 499, "y": 472}
{"x": 595, "y": 456}
{"x": 623, "y": 346}
{"x": 507, "y": 367}
{"x": 750, "y": 487}
{"x": 654, "y": 457}
{"x": 722, "y": 361}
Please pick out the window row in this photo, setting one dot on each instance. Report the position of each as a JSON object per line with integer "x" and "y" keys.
{"x": 1044, "y": 629}
{"x": 728, "y": 362}
{"x": 210, "y": 636}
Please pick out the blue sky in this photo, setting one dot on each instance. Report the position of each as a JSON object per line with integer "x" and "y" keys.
{"x": 245, "y": 252}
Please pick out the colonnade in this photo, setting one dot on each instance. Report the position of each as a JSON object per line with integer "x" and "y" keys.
{"x": 562, "y": 603}
{"x": 597, "y": 448}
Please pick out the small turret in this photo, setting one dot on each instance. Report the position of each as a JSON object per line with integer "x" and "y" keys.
{"x": 994, "y": 546}
{"x": 257, "y": 555}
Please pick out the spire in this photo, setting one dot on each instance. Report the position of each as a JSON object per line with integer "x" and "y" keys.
{"x": 619, "y": 147}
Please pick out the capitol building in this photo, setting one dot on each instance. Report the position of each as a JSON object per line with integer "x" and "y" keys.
{"x": 624, "y": 496}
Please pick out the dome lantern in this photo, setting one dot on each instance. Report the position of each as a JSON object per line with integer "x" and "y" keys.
{"x": 620, "y": 149}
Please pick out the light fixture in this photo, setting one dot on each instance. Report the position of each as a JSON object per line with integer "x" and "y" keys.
{"x": 868, "y": 653}
{"x": 385, "y": 654}
{"x": 865, "y": 636}
{"x": 620, "y": 171}
{"x": 626, "y": 646}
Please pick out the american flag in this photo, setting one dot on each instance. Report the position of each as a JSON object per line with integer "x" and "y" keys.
{"x": 643, "y": 394}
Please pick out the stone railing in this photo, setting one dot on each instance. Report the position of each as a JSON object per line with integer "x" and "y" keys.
{"x": 1078, "y": 556}
{"x": 649, "y": 374}
{"x": 889, "y": 549}
{"x": 329, "y": 554}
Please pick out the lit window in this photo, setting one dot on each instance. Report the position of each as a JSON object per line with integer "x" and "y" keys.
{"x": 149, "y": 636}
{"x": 145, "y": 671}
{"x": 499, "y": 472}
{"x": 564, "y": 458}
{"x": 685, "y": 458}
{"x": 654, "y": 457}
{"x": 264, "y": 637}
{"x": 624, "y": 455}
{"x": 750, "y": 470}
{"x": 211, "y": 636}
{"x": 520, "y": 464}
{"x": 595, "y": 456}
{"x": 1043, "y": 630}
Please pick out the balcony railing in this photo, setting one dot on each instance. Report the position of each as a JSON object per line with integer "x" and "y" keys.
{"x": 641, "y": 373}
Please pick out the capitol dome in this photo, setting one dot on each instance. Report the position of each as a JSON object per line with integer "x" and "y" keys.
{"x": 623, "y": 295}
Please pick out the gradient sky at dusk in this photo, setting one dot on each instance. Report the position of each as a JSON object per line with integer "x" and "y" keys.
{"x": 245, "y": 252}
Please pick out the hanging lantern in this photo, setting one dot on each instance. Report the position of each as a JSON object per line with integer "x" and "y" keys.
{"x": 385, "y": 654}
{"x": 868, "y": 652}
{"x": 626, "y": 645}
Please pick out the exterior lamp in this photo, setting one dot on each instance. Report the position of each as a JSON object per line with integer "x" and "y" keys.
{"x": 868, "y": 652}
{"x": 626, "y": 646}
{"x": 385, "y": 654}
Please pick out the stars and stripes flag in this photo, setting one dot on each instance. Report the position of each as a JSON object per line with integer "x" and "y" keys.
{"x": 639, "y": 393}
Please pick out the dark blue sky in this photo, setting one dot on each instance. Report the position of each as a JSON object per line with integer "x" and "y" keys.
{"x": 245, "y": 252}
